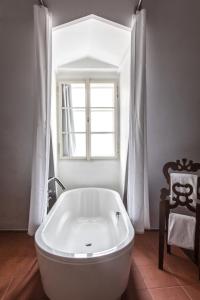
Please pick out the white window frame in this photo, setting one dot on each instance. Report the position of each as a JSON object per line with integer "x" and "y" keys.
{"x": 116, "y": 132}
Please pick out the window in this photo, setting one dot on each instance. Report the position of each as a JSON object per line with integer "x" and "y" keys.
{"x": 88, "y": 119}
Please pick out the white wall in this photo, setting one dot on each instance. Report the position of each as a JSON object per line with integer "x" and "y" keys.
{"x": 101, "y": 173}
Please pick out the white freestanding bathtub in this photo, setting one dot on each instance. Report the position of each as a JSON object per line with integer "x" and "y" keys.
{"x": 84, "y": 246}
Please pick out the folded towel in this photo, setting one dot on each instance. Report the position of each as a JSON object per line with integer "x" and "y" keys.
{"x": 181, "y": 230}
{"x": 184, "y": 178}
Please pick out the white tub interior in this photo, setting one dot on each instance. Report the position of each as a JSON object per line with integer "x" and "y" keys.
{"x": 85, "y": 222}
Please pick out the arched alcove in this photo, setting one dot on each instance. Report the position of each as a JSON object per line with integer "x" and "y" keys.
{"x": 91, "y": 47}
{"x": 91, "y": 36}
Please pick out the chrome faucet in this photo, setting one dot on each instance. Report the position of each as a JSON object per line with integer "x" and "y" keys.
{"x": 55, "y": 179}
{"x": 52, "y": 197}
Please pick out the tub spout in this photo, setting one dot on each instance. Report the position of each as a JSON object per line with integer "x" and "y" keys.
{"x": 52, "y": 196}
{"x": 54, "y": 179}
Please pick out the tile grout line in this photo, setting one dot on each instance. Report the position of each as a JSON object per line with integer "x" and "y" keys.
{"x": 161, "y": 288}
{"x": 7, "y": 289}
{"x": 187, "y": 293}
{"x": 178, "y": 280}
{"x": 175, "y": 285}
{"x": 179, "y": 285}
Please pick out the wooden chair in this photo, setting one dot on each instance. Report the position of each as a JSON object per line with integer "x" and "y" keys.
{"x": 183, "y": 166}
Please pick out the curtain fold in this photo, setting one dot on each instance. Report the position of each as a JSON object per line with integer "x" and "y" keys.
{"x": 136, "y": 185}
{"x": 42, "y": 98}
{"x": 69, "y": 142}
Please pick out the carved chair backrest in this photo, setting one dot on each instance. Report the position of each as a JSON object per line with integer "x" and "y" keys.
{"x": 180, "y": 166}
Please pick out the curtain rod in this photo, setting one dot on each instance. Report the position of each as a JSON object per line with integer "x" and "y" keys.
{"x": 138, "y": 6}
{"x": 42, "y": 3}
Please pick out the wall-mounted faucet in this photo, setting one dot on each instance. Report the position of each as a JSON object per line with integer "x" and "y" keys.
{"x": 55, "y": 179}
{"x": 52, "y": 197}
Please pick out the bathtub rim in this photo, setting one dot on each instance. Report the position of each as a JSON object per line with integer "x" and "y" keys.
{"x": 64, "y": 256}
{"x": 85, "y": 260}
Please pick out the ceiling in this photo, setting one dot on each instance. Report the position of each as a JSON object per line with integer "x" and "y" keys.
{"x": 90, "y": 37}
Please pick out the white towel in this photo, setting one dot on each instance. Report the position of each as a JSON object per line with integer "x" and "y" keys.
{"x": 181, "y": 230}
{"x": 184, "y": 178}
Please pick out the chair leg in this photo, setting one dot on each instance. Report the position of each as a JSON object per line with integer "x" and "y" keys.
{"x": 169, "y": 251}
{"x": 196, "y": 244}
{"x": 198, "y": 260}
{"x": 161, "y": 234}
{"x": 197, "y": 238}
{"x": 167, "y": 223}
{"x": 161, "y": 251}
{"x": 199, "y": 269}
{"x": 196, "y": 255}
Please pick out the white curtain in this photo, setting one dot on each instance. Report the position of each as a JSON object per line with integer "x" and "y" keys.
{"x": 42, "y": 98}
{"x": 136, "y": 173}
{"x": 69, "y": 142}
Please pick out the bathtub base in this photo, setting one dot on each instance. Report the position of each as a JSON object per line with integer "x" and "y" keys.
{"x": 105, "y": 280}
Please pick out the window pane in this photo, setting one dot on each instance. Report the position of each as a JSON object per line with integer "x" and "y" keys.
{"x": 74, "y": 145}
{"x": 73, "y": 120}
{"x": 102, "y": 120}
{"x": 102, "y": 94}
{"x": 73, "y": 95}
{"x": 102, "y": 145}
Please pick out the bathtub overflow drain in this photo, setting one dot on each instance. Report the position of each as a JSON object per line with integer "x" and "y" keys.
{"x": 88, "y": 245}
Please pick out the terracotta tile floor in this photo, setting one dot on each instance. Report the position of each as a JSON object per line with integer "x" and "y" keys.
{"x": 20, "y": 278}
